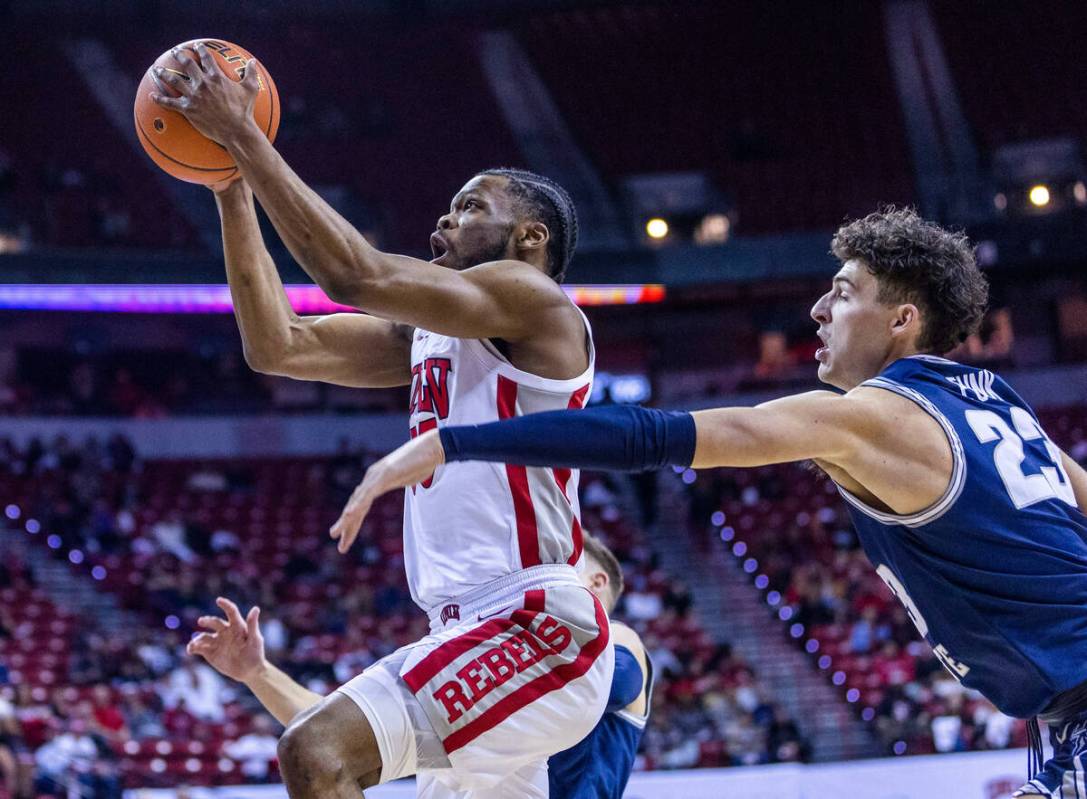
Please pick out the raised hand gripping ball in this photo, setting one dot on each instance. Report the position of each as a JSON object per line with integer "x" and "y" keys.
{"x": 173, "y": 143}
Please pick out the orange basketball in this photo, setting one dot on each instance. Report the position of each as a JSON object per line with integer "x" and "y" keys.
{"x": 171, "y": 140}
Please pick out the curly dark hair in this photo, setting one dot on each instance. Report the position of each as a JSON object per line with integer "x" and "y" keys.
{"x": 541, "y": 198}
{"x": 919, "y": 262}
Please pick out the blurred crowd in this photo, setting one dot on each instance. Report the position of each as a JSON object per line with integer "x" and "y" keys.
{"x": 789, "y": 521}
{"x": 165, "y": 538}
{"x": 213, "y": 380}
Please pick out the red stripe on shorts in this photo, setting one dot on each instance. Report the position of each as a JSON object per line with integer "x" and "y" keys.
{"x": 426, "y": 669}
{"x": 544, "y": 684}
{"x": 535, "y": 600}
{"x": 528, "y": 535}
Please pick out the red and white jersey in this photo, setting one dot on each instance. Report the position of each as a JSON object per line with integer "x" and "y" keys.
{"x": 471, "y": 523}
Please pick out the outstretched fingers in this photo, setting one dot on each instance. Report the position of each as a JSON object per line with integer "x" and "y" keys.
{"x": 252, "y": 621}
{"x": 233, "y": 615}
{"x": 201, "y": 644}
{"x": 346, "y": 528}
{"x": 212, "y": 623}
{"x": 207, "y": 61}
{"x": 191, "y": 69}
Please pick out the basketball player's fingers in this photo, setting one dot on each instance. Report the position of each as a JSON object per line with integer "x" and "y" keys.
{"x": 346, "y": 529}
{"x": 348, "y": 538}
{"x": 233, "y": 615}
{"x": 200, "y": 644}
{"x": 207, "y": 61}
{"x": 171, "y": 78}
{"x": 252, "y": 621}
{"x": 250, "y": 78}
{"x": 213, "y": 623}
{"x": 189, "y": 66}
{"x": 170, "y": 102}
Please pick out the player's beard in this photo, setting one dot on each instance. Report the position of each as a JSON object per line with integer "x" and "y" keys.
{"x": 484, "y": 252}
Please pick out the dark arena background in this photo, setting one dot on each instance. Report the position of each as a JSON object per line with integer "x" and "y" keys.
{"x": 712, "y": 148}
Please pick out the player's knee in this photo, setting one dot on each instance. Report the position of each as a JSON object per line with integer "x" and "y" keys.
{"x": 308, "y": 755}
{"x": 312, "y": 751}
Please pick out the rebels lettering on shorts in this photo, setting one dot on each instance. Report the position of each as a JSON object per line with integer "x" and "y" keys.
{"x": 497, "y": 665}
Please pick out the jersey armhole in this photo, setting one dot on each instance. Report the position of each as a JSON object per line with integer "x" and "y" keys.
{"x": 958, "y": 466}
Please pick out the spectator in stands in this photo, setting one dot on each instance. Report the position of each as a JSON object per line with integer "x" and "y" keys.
{"x": 199, "y": 687}
{"x": 12, "y": 746}
{"x": 36, "y": 718}
{"x": 69, "y": 761}
{"x": 143, "y": 720}
{"x": 109, "y": 721}
{"x": 775, "y": 360}
{"x": 169, "y": 536}
{"x": 866, "y": 632}
{"x": 256, "y": 749}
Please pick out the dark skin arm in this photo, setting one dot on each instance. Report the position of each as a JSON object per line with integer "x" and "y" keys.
{"x": 345, "y": 349}
{"x": 508, "y": 300}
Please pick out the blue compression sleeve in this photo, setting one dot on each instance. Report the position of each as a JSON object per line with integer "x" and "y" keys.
{"x": 626, "y": 684}
{"x": 617, "y": 437}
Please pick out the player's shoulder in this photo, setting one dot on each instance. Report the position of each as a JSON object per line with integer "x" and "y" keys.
{"x": 622, "y": 635}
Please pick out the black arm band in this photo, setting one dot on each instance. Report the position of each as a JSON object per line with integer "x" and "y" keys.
{"x": 617, "y": 438}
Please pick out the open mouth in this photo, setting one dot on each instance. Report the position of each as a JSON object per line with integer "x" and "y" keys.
{"x": 438, "y": 247}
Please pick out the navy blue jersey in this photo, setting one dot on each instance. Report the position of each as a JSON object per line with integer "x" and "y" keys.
{"x": 599, "y": 766}
{"x": 994, "y": 574}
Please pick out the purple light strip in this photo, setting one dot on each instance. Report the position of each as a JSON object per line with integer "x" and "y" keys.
{"x": 161, "y": 298}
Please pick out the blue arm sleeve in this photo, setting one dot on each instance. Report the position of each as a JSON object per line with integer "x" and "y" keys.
{"x": 617, "y": 437}
{"x": 627, "y": 682}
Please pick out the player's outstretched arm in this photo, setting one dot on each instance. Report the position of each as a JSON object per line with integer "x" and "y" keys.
{"x": 234, "y": 647}
{"x": 345, "y": 349}
{"x": 818, "y": 425}
{"x": 511, "y": 301}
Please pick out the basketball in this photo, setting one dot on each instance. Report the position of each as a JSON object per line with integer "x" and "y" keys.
{"x": 173, "y": 143}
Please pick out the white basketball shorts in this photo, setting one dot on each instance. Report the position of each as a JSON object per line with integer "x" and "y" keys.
{"x": 512, "y": 672}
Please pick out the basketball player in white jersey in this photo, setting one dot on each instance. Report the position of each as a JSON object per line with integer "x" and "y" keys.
{"x": 518, "y": 664}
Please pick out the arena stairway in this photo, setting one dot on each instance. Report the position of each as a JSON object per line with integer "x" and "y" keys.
{"x": 66, "y": 587}
{"x": 732, "y": 610}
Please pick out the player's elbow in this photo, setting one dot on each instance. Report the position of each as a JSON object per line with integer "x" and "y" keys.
{"x": 263, "y": 360}
{"x": 344, "y": 289}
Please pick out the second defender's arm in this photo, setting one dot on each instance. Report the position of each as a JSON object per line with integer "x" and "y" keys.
{"x": 234, "y": 647}
{"x": 282, "y": 696}
{"x": 346, "y": 349}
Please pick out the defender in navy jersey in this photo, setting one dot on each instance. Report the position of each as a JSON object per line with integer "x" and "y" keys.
{"x": 599, "y": 766}
{"x": 968, "y": 511}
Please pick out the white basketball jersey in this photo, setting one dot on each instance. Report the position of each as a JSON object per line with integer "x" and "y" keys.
{"x": 474, "y": 522}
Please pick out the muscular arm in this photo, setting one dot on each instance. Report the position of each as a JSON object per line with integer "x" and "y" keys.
{"x": 878, "y": 445}
{"x": 507, "y": 300}
{"x": 817, "y": 425}
{"x": 345, "y": 349}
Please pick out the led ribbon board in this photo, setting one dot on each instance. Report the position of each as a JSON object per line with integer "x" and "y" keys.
{"x": 164, "y": 298}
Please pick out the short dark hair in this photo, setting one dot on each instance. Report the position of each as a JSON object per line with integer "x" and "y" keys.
{"x": 541, "y": 198}
{"x": 918, "y": 261}
{"x": 598, "y": 551}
